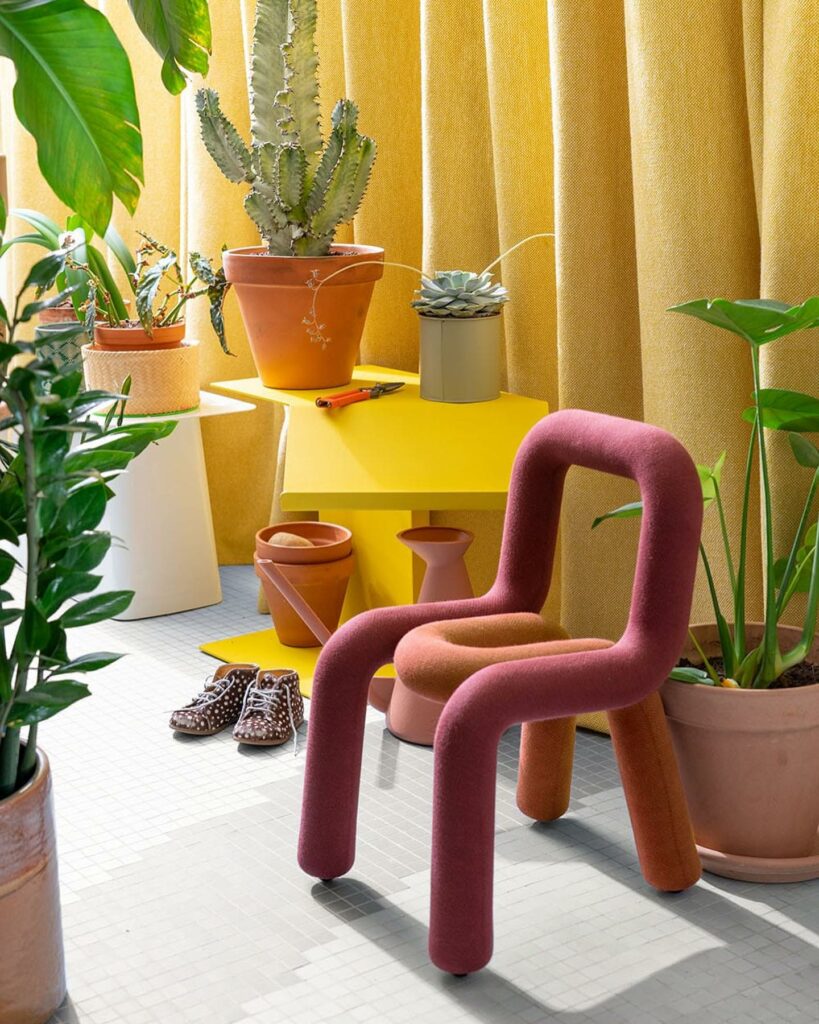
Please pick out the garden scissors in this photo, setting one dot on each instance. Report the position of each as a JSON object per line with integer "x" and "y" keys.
{"x": 359, "y": 395}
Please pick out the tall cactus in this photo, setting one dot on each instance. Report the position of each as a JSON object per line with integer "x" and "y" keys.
{"x": 301, "y": 187}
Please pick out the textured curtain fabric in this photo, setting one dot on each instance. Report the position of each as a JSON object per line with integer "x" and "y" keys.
{"x": 673, "y": 146}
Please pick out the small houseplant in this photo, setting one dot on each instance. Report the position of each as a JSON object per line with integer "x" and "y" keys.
{"x": 160, "y": 293}
{"x": 744, "y": 714}
{"x": 461, "y": 341}
{"x": 56, "y": 464}
{"x": 301, "y": 189}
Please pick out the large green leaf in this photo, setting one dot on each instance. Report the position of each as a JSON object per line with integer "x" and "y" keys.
{"x": 44, "y": 700}
{"x": 75, "y": 94}
{"x": 786, "y": 410}
{"x": 97, "y": 608}
{"x": 179, "y": 31}
{"x": 805, "y": 451}
{"x": 758, "y": 321}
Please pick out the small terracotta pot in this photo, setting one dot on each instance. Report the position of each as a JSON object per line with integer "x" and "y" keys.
{"x": 276, "y": 303}
{"x": 135, "y": 339}
{"x": 32, "y": 974}
{"x": 442, "y": 549}
{"x": 749, "y": 761}
{"x": 320, "y": 574}
{"x": 64, "y": 313}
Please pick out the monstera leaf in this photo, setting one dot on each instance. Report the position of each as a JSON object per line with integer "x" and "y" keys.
{"x": 179, "y": 31}
{"x": 75, "y": 94}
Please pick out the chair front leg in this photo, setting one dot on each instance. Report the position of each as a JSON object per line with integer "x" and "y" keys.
{"x": 545, "y": 773}
{"x": 463, "y": 837}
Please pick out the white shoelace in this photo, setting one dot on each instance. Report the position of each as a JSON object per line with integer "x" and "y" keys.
{"x": 266, "y": 701}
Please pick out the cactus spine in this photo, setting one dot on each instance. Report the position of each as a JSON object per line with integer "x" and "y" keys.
{"x": 301, "y": 187}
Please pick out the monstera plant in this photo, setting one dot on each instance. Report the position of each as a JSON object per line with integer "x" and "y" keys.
{"x": 300, "y": 188}
{"x": 77, "y": 99}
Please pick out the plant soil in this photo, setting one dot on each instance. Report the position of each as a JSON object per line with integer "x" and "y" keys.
{"x": 804, "y": 674}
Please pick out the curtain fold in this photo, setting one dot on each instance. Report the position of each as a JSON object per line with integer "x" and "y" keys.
{"x": 672, "y": 146}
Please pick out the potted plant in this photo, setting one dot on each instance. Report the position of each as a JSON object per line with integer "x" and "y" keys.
{"x": 55, "y": 473}
{"x": 160, "y": 294}
{"x": 301, "y": 189}
{"x": 461, "y": 345}
{"x": 744, "y": 707}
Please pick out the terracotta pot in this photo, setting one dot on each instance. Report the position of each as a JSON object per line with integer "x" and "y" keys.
{"x": 64, "y": 313}
{"x": 749, "y": 761}
{"x": 135, "y": 339}
{"x": 32, "y": 975}
{"x": 460, "y": 358}
{"x": 277, "y": 308}
{"x": 320, "y": 574}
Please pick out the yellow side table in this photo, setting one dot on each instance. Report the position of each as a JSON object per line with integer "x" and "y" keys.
{"x": 378, "y": 467}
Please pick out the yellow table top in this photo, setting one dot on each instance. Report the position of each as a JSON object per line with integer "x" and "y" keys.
{"x": 398, "y": 451}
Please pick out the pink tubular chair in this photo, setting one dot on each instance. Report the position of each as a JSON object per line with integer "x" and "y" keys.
{"x": 543, "y": 688}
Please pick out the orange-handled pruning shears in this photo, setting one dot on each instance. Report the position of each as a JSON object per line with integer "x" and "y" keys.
{"x": 359, "y": 395}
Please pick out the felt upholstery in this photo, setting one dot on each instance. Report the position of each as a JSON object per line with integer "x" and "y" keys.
{"x": 532, "y": 690}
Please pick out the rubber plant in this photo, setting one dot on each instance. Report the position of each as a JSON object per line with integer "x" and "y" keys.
{"x": 83, "y": 112}
{"x": 760, "y": 322}
{"x": 59, "y": 455}
{"x": 301, "y": 187}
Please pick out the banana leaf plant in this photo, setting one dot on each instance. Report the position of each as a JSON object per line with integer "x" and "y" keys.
{"x": 74, "y": 91}
{"x": 61, "y": 449}
{"x": 760, "y": 322}
{"x": 160, "y": 290}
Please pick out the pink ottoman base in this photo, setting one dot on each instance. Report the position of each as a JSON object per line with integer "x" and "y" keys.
{"x": 410, "y": 716}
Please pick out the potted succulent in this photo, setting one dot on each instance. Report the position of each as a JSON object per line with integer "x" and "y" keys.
{"x": 461, "y": 345}
{"x": 301, "y": 189}
{"x": 743, "y": 708}
{"x": 56, "y": 464}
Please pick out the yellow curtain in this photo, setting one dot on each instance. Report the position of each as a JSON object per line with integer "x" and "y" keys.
{"x": 672, "y": 145}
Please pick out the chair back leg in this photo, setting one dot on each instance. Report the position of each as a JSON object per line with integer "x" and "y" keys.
{"x": 654, "y": 794}
{"x": 545, "y": 774}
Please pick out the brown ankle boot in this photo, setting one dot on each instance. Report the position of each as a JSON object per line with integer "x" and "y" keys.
{"x": 218, "y": 705}
{"x": 273, "y": 709}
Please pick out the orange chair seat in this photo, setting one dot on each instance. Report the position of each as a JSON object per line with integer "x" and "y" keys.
{"x": 433, "y": 660}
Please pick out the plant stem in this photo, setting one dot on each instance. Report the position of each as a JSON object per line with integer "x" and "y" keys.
{"x": 722, "y": 626}
{"x": 725, "y": 541}
{"x": 792, "y": 556}
{"x": 29, "y": 759}
{"x": 767, "y": 671}
{"x": 740, "y": 639}
{"x": 9, "y": 758}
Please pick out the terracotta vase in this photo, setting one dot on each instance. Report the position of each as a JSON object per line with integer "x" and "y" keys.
{"x": 136, "y": 339}
{"x": 442, "y": 549}
{"x": 749, "y": 761}
{"x": 320, "y": 574}
{"x": 411, "y": 716}
{"x": 291, "y": 348}
{"x": 64, "y": 313}
{"x": 32, "y": 974}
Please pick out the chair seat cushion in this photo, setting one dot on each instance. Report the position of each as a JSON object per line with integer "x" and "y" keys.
{"x": 433, "y": 660}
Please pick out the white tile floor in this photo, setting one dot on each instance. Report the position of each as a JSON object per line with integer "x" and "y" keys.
{"x": 183, "y": 900}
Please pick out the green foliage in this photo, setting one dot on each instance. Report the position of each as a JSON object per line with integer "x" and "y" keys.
{"x": 75, "y": 92}
{"x": 459, "y": 293}
{"x": 57, "y": 461}
{"x": 160, "y": 290}
{"x": 179, "y": 31}
{"x": 759, "y": 322}
{"x": 302, "y": 188}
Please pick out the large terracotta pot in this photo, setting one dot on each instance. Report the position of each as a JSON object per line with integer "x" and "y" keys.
{"x": 135, "y": 338}
{"x": 32, "y": 975}
{"x": 749, "y": 761}
{"x": 319, "y": 573}
{"x": 291, "y": 348}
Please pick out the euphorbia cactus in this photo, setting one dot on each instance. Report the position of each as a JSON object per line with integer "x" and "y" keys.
{"x": 301, "y": 187}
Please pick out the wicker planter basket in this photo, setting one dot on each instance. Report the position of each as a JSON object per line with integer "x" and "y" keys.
{"x": 162, "y": 380}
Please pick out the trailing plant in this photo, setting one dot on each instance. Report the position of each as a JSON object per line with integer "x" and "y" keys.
{"x": 78, "y": 239}
{"x": 301, "y": 186}
{"x": 78, "y": 100}
{"x": 760, "y": 322}
{"x": 57, "y": 460}
{"x": 160, "y": 290}
{"x": 459, "y": 293}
